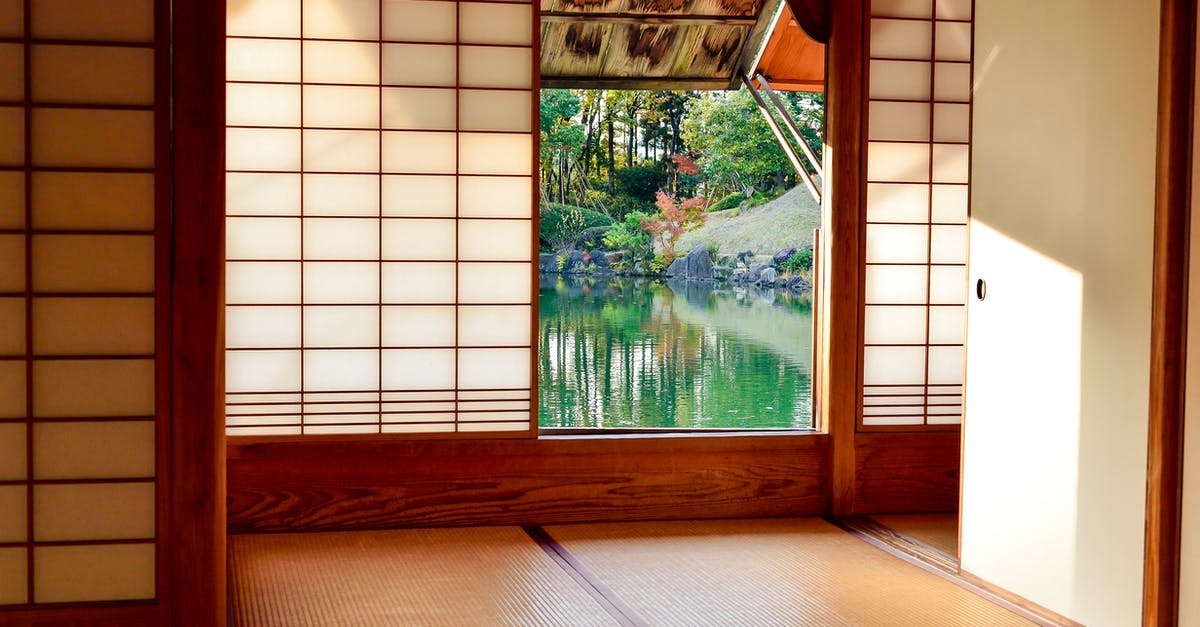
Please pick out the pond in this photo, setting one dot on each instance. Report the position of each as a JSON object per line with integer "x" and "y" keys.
{"x": 638, "y": 353}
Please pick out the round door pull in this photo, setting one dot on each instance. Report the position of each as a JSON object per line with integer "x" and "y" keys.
{"x": 980, "y": 289}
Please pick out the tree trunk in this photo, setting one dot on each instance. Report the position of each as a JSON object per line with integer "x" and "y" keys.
{"x": 610, "y": 153}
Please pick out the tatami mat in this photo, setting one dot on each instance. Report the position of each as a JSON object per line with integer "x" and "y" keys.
{"x": 939, "y": 531}
{"x": 766, "y": 572}
{"x": 460, "y": 577}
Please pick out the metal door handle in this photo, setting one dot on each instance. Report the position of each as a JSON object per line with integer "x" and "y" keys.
{"x": 980, "y": 289}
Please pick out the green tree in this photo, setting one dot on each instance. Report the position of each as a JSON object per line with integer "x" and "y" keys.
{"x": 562, "y": 139}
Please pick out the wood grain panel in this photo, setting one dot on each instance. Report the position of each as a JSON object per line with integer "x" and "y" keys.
{"x": 311, "y": 486}
{"x": 907, "y": 472}
{"x": 87, "y": 615}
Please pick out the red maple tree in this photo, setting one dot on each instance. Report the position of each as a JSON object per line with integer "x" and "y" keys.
{"x": 675, "y": 217}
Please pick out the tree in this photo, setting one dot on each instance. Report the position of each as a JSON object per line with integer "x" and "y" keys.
{"x": 675, "y": 217}
{"x": 561, "y": 138}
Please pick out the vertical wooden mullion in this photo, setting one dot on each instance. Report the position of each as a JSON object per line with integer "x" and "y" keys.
{"x": 929, "y": 209}
{"x": 379, "y": 219}
{"x": 457, "y": 177}
{"x": 303, "y": 392}
{"x": 28, "y": 183}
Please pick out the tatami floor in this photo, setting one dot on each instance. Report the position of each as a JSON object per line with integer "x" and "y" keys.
{"x": 744, "y": 572}
{"x": 939, "y": 531}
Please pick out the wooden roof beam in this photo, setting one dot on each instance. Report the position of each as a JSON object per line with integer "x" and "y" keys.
{"x": 649, "y": 18}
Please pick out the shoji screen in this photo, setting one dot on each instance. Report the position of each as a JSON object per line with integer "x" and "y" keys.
{"x": 918, "y": 132}
{"x": 379, "y": 216}
{"x": 78, "y": 281}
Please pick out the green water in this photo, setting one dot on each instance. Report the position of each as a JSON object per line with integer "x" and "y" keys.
{"x": 632, "y": 353}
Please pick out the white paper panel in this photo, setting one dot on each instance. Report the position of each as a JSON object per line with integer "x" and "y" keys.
{"x": 12, "y": 326}
{"x": 901, "y": 163}
{"x": 419, "y": 65}
{"x": 262, "y": 327}
{"x": 418, "y": 369}
{"x": 12, "y": 136}
{"x": 953, "y": 41}
{"x": 12, "y": 200}
{"x": 262, "y": 60}
{"x": 948, "y": 244}
{"x": 99, "y": 511}
{"x": 262, "y": 149}
{"x": 334, "y": 283}
{"x": 418, "y": 283}
{"x": 95, "y": 20}
{"x": 93, "y": 263}
{"x": 952, "y": 82}
{"x": 12, "y": 392}
{"x": 93, "y": 573}
{"x": 12, "y": 263}
{"x": 495, "y": 153}
{"x": 951, "y": 122}
{"x": 900, "y": 8}
{"x": 947, "y": 325}
{"x": 350, "y": 62}
{"x": 494, "y": 326}
{"x": 945, "y": 364}
{"x": 900, "y": 80}
{"x": 262, "y": 194}
{"x": 495, "y": 240}
{"x": 899, "y": 121}
{"x": 897, "y": 202}
{"x": 12, "y": 448}
{"x": 495, "y": 67}
{"x": 468, "y": 427}
{"x": 341, "y": 19}
{"x": 950, "y": 203}
{"x": 419, "y": 20}
{"x": 341, "y": 151}
{"x": 486, "y": 368}
{"x": 93, "y": 138}
{"x": 263, "y": 282}
{"x": 262, "y": 105}
{"x": 895, "y": 284}
{"x": 494, "y": 197}
{"x": 420, "y": 428}
{"x": 418, "y": 326}
{"x": 12, "y": 71}
{"x": 480, "y": 23}
{"x": 262, "y": 371}
{"x": 418, "y": 153}
{"x": 93, "y": 388}
{"x": 893, "y": 365}
{"x": 341, "y": 195}
{"x": 891, "y": 243}
{"x": 494, "y": 405}
{"x": 263, "y": 430}
{"x": 416, "y": 195}
{"x": 953, "y": 9}
{"x": 951, "y": 163}
{"x": 337, "y": 106}
{"x": 93, "y": 74}
{"x": 894, "y": 325}
{"x": 341, "y": 238}
{"x": 946, "y": 420}
{"x": 418, "y": 109}
{"x": 418, "y": 239}
{"x": 262, "y": 238}
{"x": 341, "y": 370}
{"x": 948, "y": 285}
{"x": 900, "y": 39}
{"x": 491, "y": 395}
{"x": 484, "y": 110}
{"x": 494, "y": 283}
{"x": 13, "y": 571}
{"x": 263, "y": 18}
{"x": 93, "y": 326}
{"x": 12, "y": 18}
{"x": 341, "y": 326}
{"x": 12, "y": 512}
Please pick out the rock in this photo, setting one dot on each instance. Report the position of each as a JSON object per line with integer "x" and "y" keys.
{"x": 798, "y": 285}
{"x": 767, "y": 276}
{"x": 574, "y": 263}
{"x": 678, "y": 268}
{"x": 599, "y": 259}
{"x": 592, "y": 237}
{"x": 745, "y": 256}
{"x": 547, "y": 262}
{"x": 783, "y": 255}
{"x": 699, "y": 265}
{"x": 727, "y": 260}
{"x": 639, "y": 268}
{"x": 752, "y": 275}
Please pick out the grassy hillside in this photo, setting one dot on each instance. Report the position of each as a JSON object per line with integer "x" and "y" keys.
{"x": 766, "y": 229}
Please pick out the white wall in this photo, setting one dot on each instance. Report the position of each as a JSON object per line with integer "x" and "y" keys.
{"x": 1189, "y": 584}
{"x": 1058, "y": 354}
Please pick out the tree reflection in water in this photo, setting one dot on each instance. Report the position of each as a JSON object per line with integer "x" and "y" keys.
{"x": 636, "y": 353}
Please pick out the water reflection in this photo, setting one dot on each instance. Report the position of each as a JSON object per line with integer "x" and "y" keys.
{"x": 638, "y": 353}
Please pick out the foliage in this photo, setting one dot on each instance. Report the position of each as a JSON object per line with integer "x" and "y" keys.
{"x": 714, "y": 253}
{"x": 800, "y": 261}
{"x": 675, "y": 217}
{"x": 629, "y": 235}
{"x": 640, "y": 181}
{"x": 728, "y": 202}
{"x": 562, "y": 225}
{"x": 621, "y": 206}
{"x": 661, "y": 262}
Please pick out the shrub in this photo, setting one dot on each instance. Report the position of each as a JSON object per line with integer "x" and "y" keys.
{"x": 629, "y": 235}
{"x": 640, "y": 181}
{"x": 622, "y": 205}
{"x": 563, "y": 225}
{"x": 800, "y": 261}
{"x": 675, "y": 217}
{"x": 729, "y": 202}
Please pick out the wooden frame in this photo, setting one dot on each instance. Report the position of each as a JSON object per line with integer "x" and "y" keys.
{"x": 1169, "y": 328}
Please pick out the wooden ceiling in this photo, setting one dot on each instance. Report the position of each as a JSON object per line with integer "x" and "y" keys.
{"x": 792, "y": 61}
{"x": 652, "y": 44}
